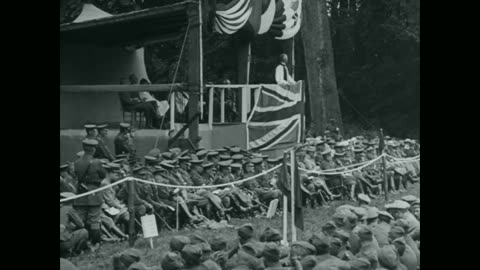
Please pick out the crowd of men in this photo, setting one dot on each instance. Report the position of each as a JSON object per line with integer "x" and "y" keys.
{"x": 104, "y": 216}
{"x": 359, "y": 237}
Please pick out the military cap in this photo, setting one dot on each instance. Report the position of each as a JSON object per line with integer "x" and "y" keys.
{"x": 415, "y": 203}
{"x": 256, "y": 161}
{"x": 220, "y": 150}
{"x": 200, "y": 149}
{"x": 235, "y": 166}
{"x": 344, "y": 207}
{"x": 172, "y": 261}
{"x": 302, "y": 248}
{"x": 167, "y": 155}
{"x": 271, "y": 252}
{"x": 343, "y": 235}
{"x": 90, "y": 142}
{"x": 113, "y": 166}
{"x": 208, "y": 165}
{"x": 331, "y": 141}
{"x": 124, "y": 125}
{"x": 202, "y": 153}
{"x": 158, "y": 169}
{"x": 89, "y": 126}
{"x": 372, "y": 212}
{"x": 235, "y": 149}
{"x": 137, "y": 266}
{"x": 140, "y": 170}
{"x": 225, "y": 157}
{"x": 409, "y": 198}
{"x": 359, "y": 264}
{"x": 218, "y": 242}
{"x": 397, "y": 231}
{"x": 175, "y": 150}
{"x": 320, "y": 241}
{"x": 211, "y": 265}
{"x": 249, "y": 260}
{"x": 398, "y": 204}
{"x": 254, "y": 248}
{"x": 359, "y": 150}
{"x": 66, "y": 265}
{"x": 335, "y": 241}
{"x": 271, "y": 160}
{"x": 237, "y": 157}
{"x": 150, "y": 158}
{"x": 319, "y": 141}
{"x": 245, "y": 231}
{"x": 339, "y": 217}
{"x": 196, "y": 162}
{"x": 256, "y": 155}
{"x": 388, "y": 257}
{"x": 310, "y": 149}
{"x": 369, "y": 149}
{"x": 212, "y": 154}
{"x": 340, "y": 154}
{"x": 63, "y": 167}
{"x": 385, "y": 214}
{"x": 364, "y": 232}
{"x": 178, "y": 242}
{"x": 166, "y": 165}
{"x": 184, "y": 159}
{"x": 360, "y": 212}
{"x": 364, "y": 198}
{"x": 66, "y": 194}
{"x": 225, "y": 163}
{"x": 192, "y": 254}
{"x": 102, "y": 126}
{"x": 270, "y": 235}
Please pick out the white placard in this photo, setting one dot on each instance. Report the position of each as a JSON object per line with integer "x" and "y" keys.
{"x": 149, "y": 226}
{"x": 272, "y": 208}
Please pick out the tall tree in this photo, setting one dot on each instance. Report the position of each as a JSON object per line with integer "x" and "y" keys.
{"x": 319, "y": 61}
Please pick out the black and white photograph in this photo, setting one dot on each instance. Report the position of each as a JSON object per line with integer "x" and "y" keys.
{"x": 240, "y": 134}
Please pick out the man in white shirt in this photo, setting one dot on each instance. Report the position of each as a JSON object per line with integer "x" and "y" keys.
{"x": 282, "y": 76}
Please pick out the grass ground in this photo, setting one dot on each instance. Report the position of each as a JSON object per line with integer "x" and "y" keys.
{"x": 314, "y": 219}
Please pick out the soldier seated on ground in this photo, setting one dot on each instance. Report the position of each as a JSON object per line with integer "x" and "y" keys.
{"x": 73, "y": 235}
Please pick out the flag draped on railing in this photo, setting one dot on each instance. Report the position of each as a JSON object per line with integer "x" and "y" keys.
{"x": 276, "y": 119}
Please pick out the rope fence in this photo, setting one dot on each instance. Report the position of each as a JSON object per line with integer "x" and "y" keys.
{"x": 325, "y": 172}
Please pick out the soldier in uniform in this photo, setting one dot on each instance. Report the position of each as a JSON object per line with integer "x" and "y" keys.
{"x": 73, "y": 235}
{"x": 124, "y": 141}
{"x": 102, "y": 150}
{"x": 67, "y": 182}
{"x": 109, "y": 194}
{"x": 90, "y": 173}
{"x": 91, "y": 132}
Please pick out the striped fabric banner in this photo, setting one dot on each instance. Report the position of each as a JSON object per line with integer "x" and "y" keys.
{"x": 276, "y": 120}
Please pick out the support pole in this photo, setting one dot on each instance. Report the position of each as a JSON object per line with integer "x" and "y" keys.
{"x": 384, "y": 166}
{"x": 195, "y": 65}
{"x": 131, "y": 209}
{"x": 172, "y": 111}
{"x": 292, "y": 190}
{"x": 222, "y": 105}
{"x": 177, "y": 221}
{"x": 210, "y": 107}
{"x": 285, "y": 202}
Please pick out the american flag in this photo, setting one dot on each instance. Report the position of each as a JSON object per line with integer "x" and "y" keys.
{"x": 276, "y": 121}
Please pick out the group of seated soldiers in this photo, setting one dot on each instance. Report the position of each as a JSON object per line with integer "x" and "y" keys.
{"x": 358, "y": 237}
{"x": 201, "y": 167}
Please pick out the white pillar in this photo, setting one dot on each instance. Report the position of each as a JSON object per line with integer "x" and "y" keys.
{"x": 222, "y": 105}
{"x": 210, "y": 107}
{"x": 292, "y": 187}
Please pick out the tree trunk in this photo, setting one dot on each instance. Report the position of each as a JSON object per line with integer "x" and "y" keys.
{"x": 324, "y": 103}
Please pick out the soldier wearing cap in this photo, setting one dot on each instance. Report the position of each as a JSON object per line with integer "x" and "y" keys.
{"x": 196, "y": 172}
{"x": 400, "y": 211}
{"x": 309, "y": 160}
{"x": 125, "y": 259}
{"x": 67, "y": 182}
{"x": 323, "y": 258}
{"x": 344, "y": 252}
{"x": 172, "y": 261}
{"x": 148, "y": 193}
{"x": 73, "y": 235}
{"x": 191, "y": 255}
{"x": 90, "y": 129}
{"x": 213, "y": 157}
{"x": 109, "y": 194}
{"x": 90, "y": 173}
{"x": 124, "y": 141}
{"x": 407, "y": 255}
{"x": 102, "y": 149}
{"x": 271, "y": 257}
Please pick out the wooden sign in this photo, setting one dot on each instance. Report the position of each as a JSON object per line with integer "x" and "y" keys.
{"x": 149, "y": 226}
{"x": 272, "y": 208}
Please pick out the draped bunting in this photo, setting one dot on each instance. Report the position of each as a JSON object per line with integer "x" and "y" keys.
{"x": 281, "y": 18}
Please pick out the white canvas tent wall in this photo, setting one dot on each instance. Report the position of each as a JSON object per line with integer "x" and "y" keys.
{"x": 94, "y": 64}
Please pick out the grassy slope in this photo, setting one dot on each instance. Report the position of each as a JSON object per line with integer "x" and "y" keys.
{"x": 314, "y": 219}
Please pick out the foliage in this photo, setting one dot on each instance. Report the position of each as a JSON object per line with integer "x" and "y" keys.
{"x": 376, "y": 48}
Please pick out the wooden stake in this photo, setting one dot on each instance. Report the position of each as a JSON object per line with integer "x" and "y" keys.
{"x": 131, "y": 208}
{"x": 292, "y": 197}
{"x": 177, "y": 221}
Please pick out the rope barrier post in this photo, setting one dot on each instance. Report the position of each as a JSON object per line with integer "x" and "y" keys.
{"x": 384, "y": 165}
{"x": 131, "y": 209}
{"x": 177, "y": 221}
{"x": 292, "y": 196}
{"x": 285, "y": 204}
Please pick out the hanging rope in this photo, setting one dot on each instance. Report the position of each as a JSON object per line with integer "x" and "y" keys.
{"x": 173, "y": 81}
